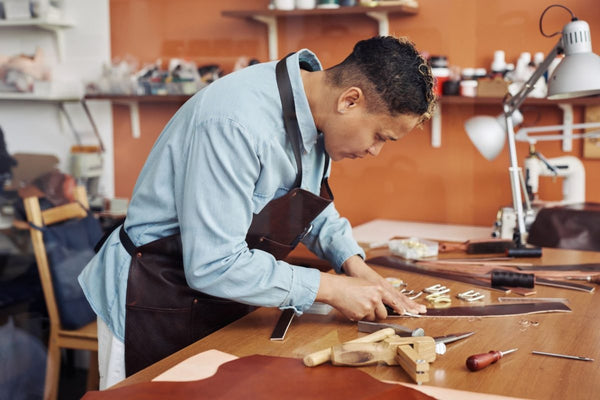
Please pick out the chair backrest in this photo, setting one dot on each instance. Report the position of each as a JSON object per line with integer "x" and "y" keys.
{"x": 47, "y": 217}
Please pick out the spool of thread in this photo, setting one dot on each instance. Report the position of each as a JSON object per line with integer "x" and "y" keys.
{"x": 531, "y": 252}
{"x": 512, "y": 279}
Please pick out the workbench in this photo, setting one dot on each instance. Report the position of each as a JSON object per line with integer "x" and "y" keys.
{"x": 520, "y": 374}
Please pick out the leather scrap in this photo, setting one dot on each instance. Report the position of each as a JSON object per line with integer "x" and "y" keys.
{"x": 496, "y": 310}
{"x": 267, "y": 377}
{"x": 575, "y": 226}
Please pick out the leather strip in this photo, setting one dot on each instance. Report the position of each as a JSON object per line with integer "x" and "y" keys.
{"x": 564, "y": 285}
{"x": 455, "y": 272}
{"x": 495, "y": 310}
{"x": 573, "y": 267}
{"x": 290, "y": 120}
{"x": 394, "y": 262}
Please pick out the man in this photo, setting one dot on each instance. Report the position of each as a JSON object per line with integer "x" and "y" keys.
{"x": 235, "y": 180}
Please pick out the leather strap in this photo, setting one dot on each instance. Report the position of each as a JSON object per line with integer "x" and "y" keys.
{"x": 573, "y": 267}
{"x": 496, "y": 310}
{"x": 394, "y": 262}
{"x": 126, "y": 242}
{"x": 290, "y": 120}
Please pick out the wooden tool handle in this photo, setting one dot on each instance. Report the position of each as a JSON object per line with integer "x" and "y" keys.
{"x": 322, "y": 356}
{"x": 446, "y": 247}
{"x": 361, "y": 354}
{"x": 480, "y": 361}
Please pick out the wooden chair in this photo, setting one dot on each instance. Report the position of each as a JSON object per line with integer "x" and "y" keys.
{"x": 85, "y": 338}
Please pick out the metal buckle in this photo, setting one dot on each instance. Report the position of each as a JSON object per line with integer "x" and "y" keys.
{"x": 437, "y": 288}
{"x": 470, "y": 295}
{"x": 302, "y": 235}
{"x": 438, "y": 297}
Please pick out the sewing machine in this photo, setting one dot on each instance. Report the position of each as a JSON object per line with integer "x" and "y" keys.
{"x": 569, "y": 168}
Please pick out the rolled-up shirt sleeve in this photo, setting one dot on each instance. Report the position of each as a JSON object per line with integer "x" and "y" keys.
{"x": 331, "y": 238}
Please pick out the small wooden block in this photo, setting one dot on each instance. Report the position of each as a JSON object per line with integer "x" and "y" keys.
{"x": 415, "y": 367}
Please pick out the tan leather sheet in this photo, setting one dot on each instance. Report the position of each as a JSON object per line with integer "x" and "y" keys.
{"x": 265, "y": 377}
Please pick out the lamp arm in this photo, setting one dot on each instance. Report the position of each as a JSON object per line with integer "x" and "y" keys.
{"x": 522, "y": 134}
{"x": 509, "y": 105}
{"x": 514, "y": 102}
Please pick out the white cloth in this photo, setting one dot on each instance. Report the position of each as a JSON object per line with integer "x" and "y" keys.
{"x": 111, "y": 357}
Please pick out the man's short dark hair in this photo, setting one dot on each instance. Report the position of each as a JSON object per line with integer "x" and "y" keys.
{"x": 398, "y": 78}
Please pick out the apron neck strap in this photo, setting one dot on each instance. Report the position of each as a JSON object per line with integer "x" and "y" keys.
{"x": 290, "y": 120}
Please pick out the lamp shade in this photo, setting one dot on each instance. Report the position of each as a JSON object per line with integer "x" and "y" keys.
{"x": 488, "y": 134}
{"x": 578, "y": 74}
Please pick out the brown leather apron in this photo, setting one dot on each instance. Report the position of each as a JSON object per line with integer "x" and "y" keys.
{"x": 163, "y": 314}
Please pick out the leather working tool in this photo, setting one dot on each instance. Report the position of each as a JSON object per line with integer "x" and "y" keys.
{"x": 322, "y": 356}
{"x": 370, "y": 327}
{"x": 480, "y": 361}
{"x": 543, "y": 353}
{"x": 413, "y": 354}
{"x": 366, "y": 326}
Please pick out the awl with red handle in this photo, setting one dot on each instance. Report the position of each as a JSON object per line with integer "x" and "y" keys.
{"x": 480, "y": 361}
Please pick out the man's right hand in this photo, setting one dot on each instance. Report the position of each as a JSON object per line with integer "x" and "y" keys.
{"x": 356, "y": 298}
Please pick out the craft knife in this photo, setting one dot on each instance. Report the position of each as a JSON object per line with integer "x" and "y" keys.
{"x": 369, "y": 327}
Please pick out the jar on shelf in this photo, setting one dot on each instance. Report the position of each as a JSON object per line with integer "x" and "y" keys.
{"x": 440, "y": 72}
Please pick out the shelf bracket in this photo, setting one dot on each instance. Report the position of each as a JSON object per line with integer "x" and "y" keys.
{"x": 271, "y": 22}
{"x": 134, "y": 116}
{"x": 59, "y": 39}
{"x": 436, "y": 126}
{"x": 382, "y": 20}
{"x": 567, "y": 142}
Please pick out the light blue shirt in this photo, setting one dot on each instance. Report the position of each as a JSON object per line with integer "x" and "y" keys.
{"x": 221, "y": 158}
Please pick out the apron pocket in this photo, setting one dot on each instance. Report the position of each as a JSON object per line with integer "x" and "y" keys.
{"x": 278, "y": 250}
{"x": 152, "y": 334}
{"x": 210, "y": 314}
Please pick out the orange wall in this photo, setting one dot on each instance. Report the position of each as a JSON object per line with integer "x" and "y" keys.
{"x": 409, "y": 180}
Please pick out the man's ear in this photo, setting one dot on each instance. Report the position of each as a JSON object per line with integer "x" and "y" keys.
{"x": 349, "y": 99}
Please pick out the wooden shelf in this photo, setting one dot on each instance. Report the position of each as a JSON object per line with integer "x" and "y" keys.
{"x": 15, "y": 96}
{"x": 41, "y": 23}
{"x": 321, "y": 11}
{"x": 133, "y": 101}
{"x": 269, "y": 18}
{"x": 168, "y": 98}
{"x": 529, "y": 102}
{"x": 53, "y": 25}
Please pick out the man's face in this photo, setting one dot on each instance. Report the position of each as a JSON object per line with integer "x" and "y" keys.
{"x": 356, "y": 133}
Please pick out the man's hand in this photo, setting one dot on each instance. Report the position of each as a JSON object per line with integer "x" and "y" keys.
{"x": 364, "y": 293}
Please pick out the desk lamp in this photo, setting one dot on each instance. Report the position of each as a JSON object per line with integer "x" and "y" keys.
{"x": 577, "y": 75}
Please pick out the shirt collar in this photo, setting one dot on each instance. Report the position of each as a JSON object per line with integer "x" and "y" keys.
{"x": 308, "y": 129}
